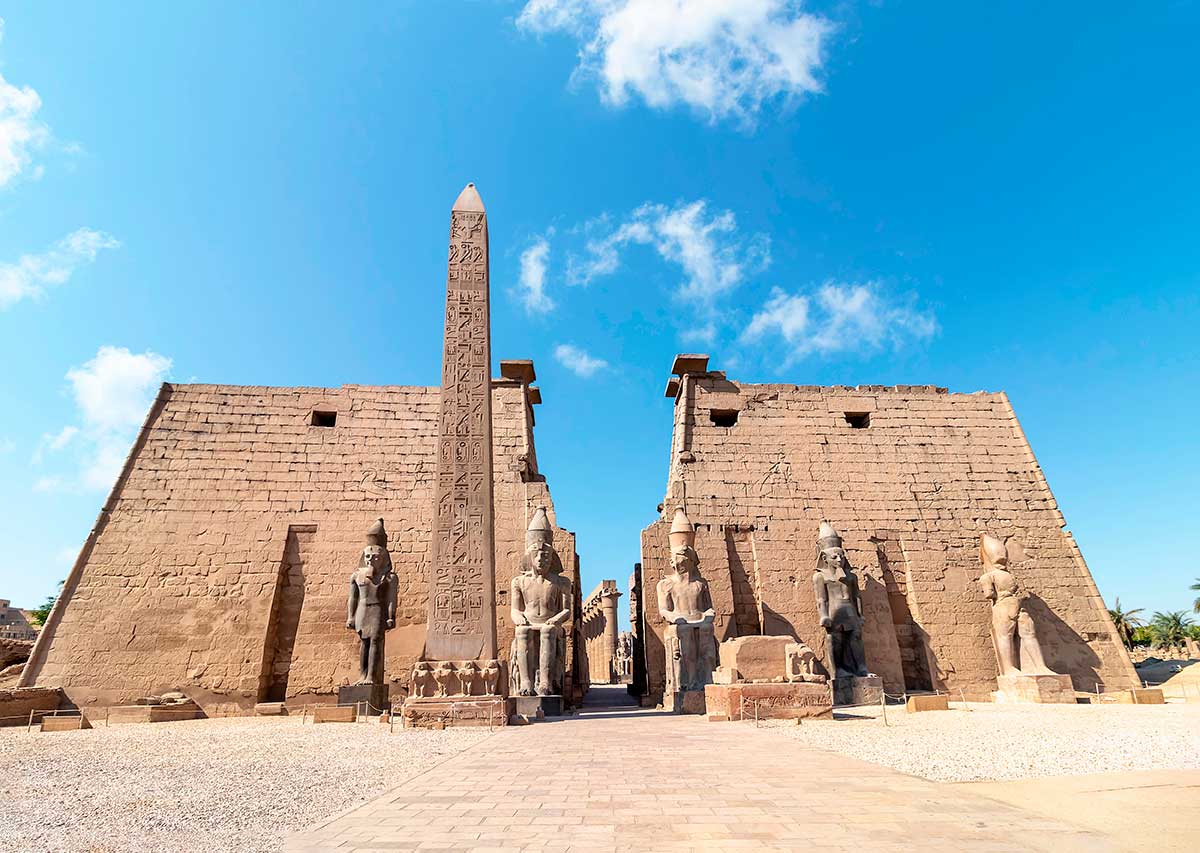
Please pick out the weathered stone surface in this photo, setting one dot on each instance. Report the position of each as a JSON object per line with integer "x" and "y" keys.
{"x": 537, "y": 707}
{"x": 334, "y": 714}
{"x": 1040, "y": 689}
{"x": 606, "y": 655}
{"x": 1143, "y": 696}
{"x": 541, "y": 605}
{"x": 462, "y": 711}
{"x": 371, "y": 605}
{"x": 795, "y": 700}
{"x": 909, "y": 492}
{"x": 162, "y": 713}
{"x": 64, "y": 723}
{"x": 853, "y": 690}
{"x": 937, "y": 702}
{"x": 16, "y": 703}
{"x": 370, "y": 699}
{"x": 684, "y": 702}
{"x": 685, "y": 605}
{"x": 270, "y": 709}
{"x": 754, "y": 658}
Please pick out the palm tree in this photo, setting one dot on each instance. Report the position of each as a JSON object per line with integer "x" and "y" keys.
{"x": 1125, "y": 621}
{"x": 1170, "y": 629}
{"x": 1196, "y": 588}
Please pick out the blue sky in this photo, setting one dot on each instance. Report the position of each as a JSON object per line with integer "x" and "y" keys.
{"x": 998, "y": 197}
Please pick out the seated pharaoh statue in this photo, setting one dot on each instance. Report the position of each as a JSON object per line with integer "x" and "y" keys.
{"x": 685, "y": 604}
{"x": 541, "y": 604}
{"x": 1016, "y": 641}
{"x": 839, "y": 606}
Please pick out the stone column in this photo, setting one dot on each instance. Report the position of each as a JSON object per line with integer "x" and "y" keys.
{"x": 608, "y": 603}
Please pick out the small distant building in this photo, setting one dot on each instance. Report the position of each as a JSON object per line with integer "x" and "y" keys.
{"x": 16, "y": 624}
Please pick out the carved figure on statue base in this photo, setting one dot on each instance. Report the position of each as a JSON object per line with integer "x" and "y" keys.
{"x": 1013, "y": 632}
{"x": 839, "y": 606}
{"x": 445, "y": 676}
{"x": 800, "y": 664}
{"x": 371, "y": 604}
{"x": 685, "y": 604}
{"x": 491, "y": 677}
{"x": 469, "y": 677}
{"x": 541, "y": 603}
{"x": 424, "y": 684}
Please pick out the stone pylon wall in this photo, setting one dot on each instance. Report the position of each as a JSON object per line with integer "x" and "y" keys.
{"x": 910, "y": 488}
{"x": 220, "y": 563}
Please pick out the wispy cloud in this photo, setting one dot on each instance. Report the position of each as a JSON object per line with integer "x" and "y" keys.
{"x": 578, "y": 361}
{"x": 838, "y": 318}
{"x": 21, "y": 131}
{"x": 7, "y": 446}
{"x": 532, "y": 283}
{"x": 32, "y": 273}
{"x": 112, "y": 392}
{"x": 712, "y": 254}
{"x": 722, "y": 58}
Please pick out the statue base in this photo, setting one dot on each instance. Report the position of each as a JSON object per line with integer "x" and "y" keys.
{"x": 441, "y": 712}
{"x": 858, "y": 690}
{"x": 370, "y": 699}
{"x": 769, "y": 701}
{"x": 537, "y": 707}
{"x": 684, "y": 702}
{"x": 1034, "y": 689}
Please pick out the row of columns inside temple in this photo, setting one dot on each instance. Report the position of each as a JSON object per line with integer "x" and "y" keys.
{"x": 601, "y": 641}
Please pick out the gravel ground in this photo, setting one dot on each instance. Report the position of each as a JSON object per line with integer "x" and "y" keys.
{"x": 205, "y": 785}
{"x": 999, "y": 742}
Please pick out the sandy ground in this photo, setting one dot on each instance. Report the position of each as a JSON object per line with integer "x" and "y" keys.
{"x": 1002, "y": 742}
{"x": 203, "y": 785}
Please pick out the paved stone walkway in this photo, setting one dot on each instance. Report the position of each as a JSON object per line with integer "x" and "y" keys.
{"x": 630, "y": 780}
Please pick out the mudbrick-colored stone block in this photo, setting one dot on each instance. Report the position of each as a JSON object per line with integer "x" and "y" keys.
{"x": 65, "y": 723}
{"x": 1142, "y": 696}
{"x": 17, "y": 703}
{"x": 939, "y": 702}
{"x": 755, "y": 658}
{"x": 435, "y": 713}
{"x": 797, "y": 700}
{"x": 1040, "y": 689}
{"x": 334, "y": 714}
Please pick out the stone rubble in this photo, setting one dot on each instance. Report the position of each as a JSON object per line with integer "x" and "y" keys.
{"x": 235, "y": 784}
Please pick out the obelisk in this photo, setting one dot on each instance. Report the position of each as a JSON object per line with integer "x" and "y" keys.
{"x": 462, "y": 582}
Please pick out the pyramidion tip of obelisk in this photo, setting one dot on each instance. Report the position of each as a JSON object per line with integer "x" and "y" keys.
{"x": 469, "y": 199}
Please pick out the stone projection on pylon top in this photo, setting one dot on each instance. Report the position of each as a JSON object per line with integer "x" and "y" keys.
{"x": 462, "y": 579}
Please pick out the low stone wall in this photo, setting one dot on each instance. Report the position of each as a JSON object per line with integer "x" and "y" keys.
{"x": 16, "y": 703}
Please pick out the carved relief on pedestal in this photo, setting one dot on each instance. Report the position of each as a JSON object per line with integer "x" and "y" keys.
{"x": 450, "y": 679}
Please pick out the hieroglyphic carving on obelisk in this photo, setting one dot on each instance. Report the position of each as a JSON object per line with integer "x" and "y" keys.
{"x": 462, "y": 584}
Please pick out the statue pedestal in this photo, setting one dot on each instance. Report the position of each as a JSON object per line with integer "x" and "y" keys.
{"x": 372, "y": 699}
{"x": 1039, "y": 689}
{"x": 441, "y": 712}
{"x": 791, "y": 701}
{"x": 684, "y": 702}
{"x": 857, "y": 690}
{"x": 537, "y": 707}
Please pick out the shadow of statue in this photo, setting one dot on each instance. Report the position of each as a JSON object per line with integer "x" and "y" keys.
{"x": 1064, "y": 650}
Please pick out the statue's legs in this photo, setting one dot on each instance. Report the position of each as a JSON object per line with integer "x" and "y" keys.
{"x": 526, "y": 660}
{"x": 671, "y": 642}
{"x": 375, "y": 659}
{"x": 855, "y": 641}
{"x": 687, "y": 657}
{"x": 364, "y": 660}
{"x": 839, "y": 654}
{"x": 1004, "y": 629}
{"x": 706, "y": 657}
{"x": 547, "y": 649}
{"x": 1031, "y": 650}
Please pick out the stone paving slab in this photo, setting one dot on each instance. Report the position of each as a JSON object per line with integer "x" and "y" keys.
{"x": 647, "y": 781}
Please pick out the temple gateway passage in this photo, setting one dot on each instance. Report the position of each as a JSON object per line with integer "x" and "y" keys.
{"x": 396, "y": 549}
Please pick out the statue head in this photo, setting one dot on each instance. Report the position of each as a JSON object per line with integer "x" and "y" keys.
{"x": 375, "y": 555}
{"x": 684, "y": 559}
{"x": 539, "y": 544}
{"x": 422, "y": 667}
{"x": 830, "y": 552}
{"x": 993, "y": 552}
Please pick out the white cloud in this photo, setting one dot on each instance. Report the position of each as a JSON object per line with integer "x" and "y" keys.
{"x": 532, "y": 284}
{"x": 725, "y": 58}
{"x": 838, "y": 318}
{"x": 708, "y": 248}
{"x": 578, "y": 361}
{"x": 112, "y": 392}
{"x": 28, "y": 276}
{"x": 21, "y": 132}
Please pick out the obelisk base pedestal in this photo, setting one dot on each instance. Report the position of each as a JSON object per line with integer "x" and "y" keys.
{"x": 371, "y": 699}
{"x": 442, "y": 712}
